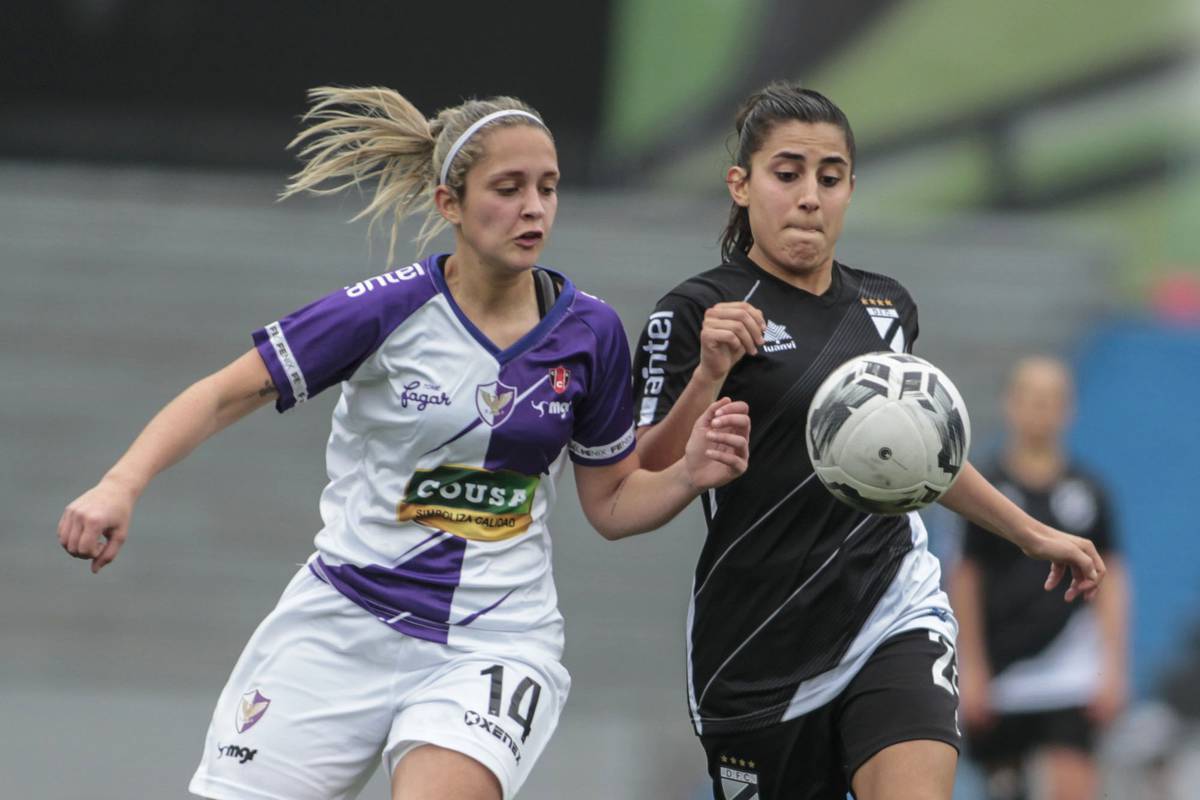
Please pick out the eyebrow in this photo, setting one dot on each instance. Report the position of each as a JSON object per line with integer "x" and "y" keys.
{"x": 520, "y": 173}
{"x": 790, "y": 156}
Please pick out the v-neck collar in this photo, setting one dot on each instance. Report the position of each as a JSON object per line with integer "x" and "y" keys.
{"x": 435, "y": 263}
{"x": 827, "y": 298}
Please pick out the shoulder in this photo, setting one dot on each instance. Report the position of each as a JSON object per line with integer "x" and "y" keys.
{"x": 718, "y": 285}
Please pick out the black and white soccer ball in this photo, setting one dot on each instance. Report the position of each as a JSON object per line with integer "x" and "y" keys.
{"x": 888, "y": 433}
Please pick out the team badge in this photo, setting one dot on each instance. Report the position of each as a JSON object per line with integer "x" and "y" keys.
{"x": 494, "y": 401}
{"x": 250, "y": 710}
{"x": 559, "y": 377}
{"x": 739, "y": 779}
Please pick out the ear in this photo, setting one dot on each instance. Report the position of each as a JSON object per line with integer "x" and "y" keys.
{"x": 852, "y": 185}
{"x": 447, "y": 204}
{"x": 736, "y": 179}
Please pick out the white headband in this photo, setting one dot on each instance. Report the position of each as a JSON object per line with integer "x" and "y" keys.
{"x": 469, "y": 132}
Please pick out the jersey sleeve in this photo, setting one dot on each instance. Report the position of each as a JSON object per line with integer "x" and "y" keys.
{"x": 603, "y": 432}
{"x": 320, "y": 345}
{"x": 667, "y": 354}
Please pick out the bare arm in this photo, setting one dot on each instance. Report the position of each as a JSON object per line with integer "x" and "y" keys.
{"x": 204, "y": 408}
{"x": 624, "y": 499}
{"x": 974, "y": 671}
{"x": 981, "y": 503}
{"x": 1112, "y": 611}
{"x": 730, "y": 330}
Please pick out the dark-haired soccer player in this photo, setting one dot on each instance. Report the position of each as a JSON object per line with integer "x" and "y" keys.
{"x": 820, "y": 646}
{"x": 1039, "y": 677}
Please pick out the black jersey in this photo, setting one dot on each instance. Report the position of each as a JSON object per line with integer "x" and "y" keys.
{"x": 1027, "y": 630}
{"x": 793, "y": 588}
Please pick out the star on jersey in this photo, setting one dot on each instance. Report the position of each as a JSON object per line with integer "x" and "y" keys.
{"x": 494, "y": 402}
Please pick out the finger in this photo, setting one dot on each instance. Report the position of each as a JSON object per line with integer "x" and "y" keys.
{"x": 106, "y": 555}
{"x": 63, "y": 525}
{"x": 90, "y": 540}
{"x": 721, "y": 339}
{"x": 729, "y": 459}
{"x": 739, "y": 328}
{"x": 734, "y": 422}
{"x": 1055, "y": 576}
{"x": 75, "y": 534}
{"x": 728, "y": 439}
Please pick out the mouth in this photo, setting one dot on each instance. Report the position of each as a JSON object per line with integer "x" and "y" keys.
{"x": 808, "y": 228}
{"x": 530, "y": 238}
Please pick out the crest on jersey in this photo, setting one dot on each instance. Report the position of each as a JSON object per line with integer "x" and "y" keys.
{"x": 559, "y": 377}
{"x": 494, "y": 402}
{"x": 739, "y": 778}
{"x": 250, "y": 710}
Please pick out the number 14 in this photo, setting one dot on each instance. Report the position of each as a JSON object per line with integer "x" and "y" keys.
{"x": 514, "y": 704}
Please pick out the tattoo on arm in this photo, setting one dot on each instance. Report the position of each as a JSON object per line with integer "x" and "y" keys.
{"x": 268, "y": 389}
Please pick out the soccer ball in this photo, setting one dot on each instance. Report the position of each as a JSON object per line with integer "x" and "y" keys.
{"x": 887, "y": 433}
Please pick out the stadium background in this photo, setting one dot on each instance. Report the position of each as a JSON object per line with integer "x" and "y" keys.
{"x": 1029, "y": 170}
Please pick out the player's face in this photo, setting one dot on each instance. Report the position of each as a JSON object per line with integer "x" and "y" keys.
{"x": 1039, "y": 402}
{"x": 511, "y": 198}
{"x": 796, "y": 192}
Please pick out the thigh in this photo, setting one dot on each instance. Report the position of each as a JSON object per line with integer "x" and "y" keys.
{"x": 918, "y": 769}
{"x": 798, "y": 760}
{"x": 906, "y": 694}
{"x": 498, "y": 710}
{"x": 428, "y": 772}
{"x": 305, "y": 711}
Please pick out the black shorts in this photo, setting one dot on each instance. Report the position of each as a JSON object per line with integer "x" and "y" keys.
{"x": 893, "y": 698}
{"x": 1014, "y": 737}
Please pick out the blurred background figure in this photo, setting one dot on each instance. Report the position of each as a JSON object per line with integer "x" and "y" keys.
{"x": 1028, "y": 170}
{"x": 1039, "y": 678}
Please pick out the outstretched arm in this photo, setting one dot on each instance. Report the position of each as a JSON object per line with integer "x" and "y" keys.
{"x": 623, "y": 499}
{"x": 981, "y": 503}
{"x": 95, "y": 525}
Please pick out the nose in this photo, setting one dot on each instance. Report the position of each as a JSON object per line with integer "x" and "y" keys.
{"x": 534, "y": 205}
{"x": 808, "y": 199}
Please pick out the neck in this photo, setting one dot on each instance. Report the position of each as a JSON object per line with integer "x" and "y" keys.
{"x": 485, "y": 288}
{"x": 1035, "y": 464}
{"x": 816, "y": 280}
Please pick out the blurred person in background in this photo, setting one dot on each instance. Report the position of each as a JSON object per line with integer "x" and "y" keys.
{"x": 1039, "y": 678}
{"x": 425, "y": 628}
{"x": 820, "y": 645}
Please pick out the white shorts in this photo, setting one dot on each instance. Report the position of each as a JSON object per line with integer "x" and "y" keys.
{"x": 323, "y": 689}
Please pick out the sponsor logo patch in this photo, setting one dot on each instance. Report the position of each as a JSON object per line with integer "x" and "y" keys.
{"x": 384, "y": 280}
{"x": 560, "y": 408}
{"x": 776, "y": 338}
{"x": 423, "y": 396}
{"x": 474, "y": 719}
{"x": 242, "y": 754}
{"x": 250, "y": 710}
{"x": 654, "y": 374}
{"x": 473, "y": 503}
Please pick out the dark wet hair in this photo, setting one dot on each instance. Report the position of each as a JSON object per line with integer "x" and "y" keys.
{"x": 782, "y": 101}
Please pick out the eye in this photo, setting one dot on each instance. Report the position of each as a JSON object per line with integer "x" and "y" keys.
{"x": 831, "y": 180}
{"x": 786, "y": 176}
{"x": 549, "y": 190}
{"x": 506, "y": 191}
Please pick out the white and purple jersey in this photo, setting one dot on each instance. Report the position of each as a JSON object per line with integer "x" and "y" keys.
{"x": 445, "y": 449}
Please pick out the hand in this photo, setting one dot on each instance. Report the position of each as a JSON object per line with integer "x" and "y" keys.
{"x": 96, "y": 524}
{"x": 719, "y": 448}
{"x": 1067, "y": 552}
{"x": 730, "y": 331}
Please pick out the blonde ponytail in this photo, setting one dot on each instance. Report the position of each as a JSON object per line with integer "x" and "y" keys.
{"x": 357, "y": 135}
